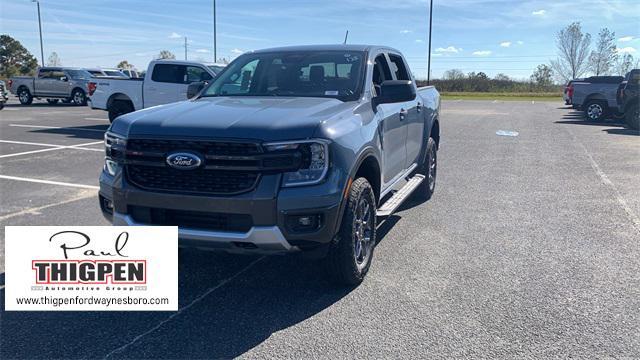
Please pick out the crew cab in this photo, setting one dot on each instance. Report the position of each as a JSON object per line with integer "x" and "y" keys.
{"x": 629, "y": 98}
{"x": 53, "y": 84}
{"x": 165, "y": 81}
{"x": 294, "y": 149}
{"x": 596, "y": 95}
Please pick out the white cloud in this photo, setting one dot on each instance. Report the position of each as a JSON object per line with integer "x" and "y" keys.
{"x": 237, "y": 51}
{"x": 405, "y": 31}
{"x": 202, "y": 51}
{"x": 449, "y": 49}
{"x": 626, "y": 39}
{"x": 505, "y": 43}
{"x": 482, "y": 53}
{"x": 541, "y": 12}
{"x": 174, "y": 35}
{"x": 520, "y": 42}
{"x": 419, "y": 41}
{"x": 627, "y": 50}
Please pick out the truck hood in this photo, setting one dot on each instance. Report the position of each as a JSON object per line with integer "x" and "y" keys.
{"x": 258, "y": 118}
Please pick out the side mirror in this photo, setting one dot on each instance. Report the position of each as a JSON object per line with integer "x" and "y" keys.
{"x": 394, "y": 91}
{"x": 194, "y": 89}
{"x": 64, "y": 78}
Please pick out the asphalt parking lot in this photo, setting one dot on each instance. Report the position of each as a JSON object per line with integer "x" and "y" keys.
{"x": 529, "y": 248}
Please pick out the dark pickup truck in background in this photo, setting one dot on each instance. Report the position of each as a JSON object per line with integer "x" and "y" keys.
{"x": 628, "y": 98}
{"x": 288, "y": 149}
{"x": 596, "y": 95}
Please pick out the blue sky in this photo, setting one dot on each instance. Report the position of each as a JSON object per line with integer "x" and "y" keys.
{"x": 494, "y": 36}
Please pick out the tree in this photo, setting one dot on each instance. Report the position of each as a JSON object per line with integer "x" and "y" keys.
{"x": 124, "y": 64}
{"x": 14, "y": 58}
{"x": 624, "y": 64}
{"x": 604, "y": 57}
{"x": 166, "y": 54}
{"x": 502, "y": 77}
{"x": 453, "y": 74}
{"x": 542, "y": 75}
{"x": 573, "y": 50}
{"x": 54, "y": 60}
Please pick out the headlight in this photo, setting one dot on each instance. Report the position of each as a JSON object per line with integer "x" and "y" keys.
{"x": 114, "y": 146}
{"x": 314, "y": 164}
{"x": 111, "y": 139}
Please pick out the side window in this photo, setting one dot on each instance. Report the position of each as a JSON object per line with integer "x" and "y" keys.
{"x": 56, "y": 74}
{"x": 240, "y": 81}
{"x": 195, "y": 74}
{"x": 43, "y": 74}
{"x": 398, "y": 67}
{"x": 169, "y": 73}
{"x": 381, "y": 72}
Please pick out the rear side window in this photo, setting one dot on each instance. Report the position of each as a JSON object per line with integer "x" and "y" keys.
{"x": 398, "y": 67}
{"x": 195, "y": 74}
{"x": 169, "y": 73}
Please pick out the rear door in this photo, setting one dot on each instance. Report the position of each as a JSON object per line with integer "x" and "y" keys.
{"x": 42, "y": 83}
{"x": 164, "y": 85}
{"x": 58, "y": 86}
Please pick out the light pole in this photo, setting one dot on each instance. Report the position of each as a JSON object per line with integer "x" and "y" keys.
{"x": 40, "y": 26}
{"x": 215, "y": 53}
{"x": 430, "y": 26}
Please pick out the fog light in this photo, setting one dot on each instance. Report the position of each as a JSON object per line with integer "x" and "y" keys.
{"x": 304, "y": 223}
{"x": 106, "y": 205}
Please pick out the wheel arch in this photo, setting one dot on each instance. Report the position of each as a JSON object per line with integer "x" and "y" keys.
{"x": 595, "y": 96}
{"x": 118, "y": 97}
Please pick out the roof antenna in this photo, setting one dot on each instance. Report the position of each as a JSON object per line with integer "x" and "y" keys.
{"x": 345, "y": 37}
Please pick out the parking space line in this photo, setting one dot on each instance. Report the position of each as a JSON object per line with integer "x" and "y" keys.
{"x": 184, "y": 308}
{"x": 55, "y": 127}
{"x": 61, "y": 147}
{"x": 83, "y": 195}
{"x": 16, "y": 178}
{"x": 95, "y": 119}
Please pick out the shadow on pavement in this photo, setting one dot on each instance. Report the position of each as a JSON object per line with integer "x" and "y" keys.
{"x": 617, "y": 131}
{"x": 275, "y": 293}
{"x": 93, "y": 132}
{"x": 42, "y": 105}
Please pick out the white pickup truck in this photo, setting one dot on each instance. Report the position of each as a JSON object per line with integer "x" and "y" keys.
{"x": 166, "y": 81}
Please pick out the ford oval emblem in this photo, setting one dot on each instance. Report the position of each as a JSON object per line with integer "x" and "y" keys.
{"x": 184, "y": 161}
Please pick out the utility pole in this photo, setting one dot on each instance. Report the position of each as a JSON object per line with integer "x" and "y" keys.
{"x": 40, "y": 26}
{"x": 185, "y": 48}
{"x": 345, "y": 37}
{"x": 430, "y": 27}
{"x": 215, "y": 49}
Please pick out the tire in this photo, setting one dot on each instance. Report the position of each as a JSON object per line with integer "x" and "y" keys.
{"x": 428, "y": 168}
{"x": 351, "y": 253}
{"x": 52, "y": 101}
{"x": 66, "y": 101}
{"x": 595, "y": 110}
{"x": 632, "y": 117}
{"x": 119, "y": 107}
{"x": 25, "y": 97}
{"x": 1, "y": 105}
{"x": 79, "y": 97}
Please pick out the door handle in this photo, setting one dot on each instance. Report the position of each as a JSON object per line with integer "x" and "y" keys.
{"x": 403, "y": 114}
{"x": 419, "y": 108}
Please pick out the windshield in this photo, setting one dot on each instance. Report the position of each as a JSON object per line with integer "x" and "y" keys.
{"x": 79, "y": 74}
{"x": 333, "y": 74}
{"x": 216, "y": 68}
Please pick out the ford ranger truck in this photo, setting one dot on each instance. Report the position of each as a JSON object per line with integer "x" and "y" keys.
{"x": 296, "y": 149}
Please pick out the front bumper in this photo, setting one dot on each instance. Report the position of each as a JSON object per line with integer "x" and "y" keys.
{"x": 269, "y": 206}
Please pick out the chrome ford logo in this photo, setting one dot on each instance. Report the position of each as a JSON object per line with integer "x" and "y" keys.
{"x": 184, "y": 160}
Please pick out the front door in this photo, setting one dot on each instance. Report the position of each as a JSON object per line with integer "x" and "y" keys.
{"x": 167, "y": 81}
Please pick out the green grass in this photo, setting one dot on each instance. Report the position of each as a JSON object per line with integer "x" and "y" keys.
{"x": 502, "y": 96}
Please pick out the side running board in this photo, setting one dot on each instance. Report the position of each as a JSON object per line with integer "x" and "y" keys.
{"x": 400, "y": 196}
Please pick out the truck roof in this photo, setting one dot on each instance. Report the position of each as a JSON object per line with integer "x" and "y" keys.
{"x": 334, "y": 47}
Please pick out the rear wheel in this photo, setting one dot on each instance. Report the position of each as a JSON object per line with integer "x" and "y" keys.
{"x": 25, "y": 97}
{"x": 632, "y": 117}
{"x": 52, "y": 101}
{"x": 119, "y": 107}
{"x": 595, "y": 110}
{"x": 79, "y": 97}
{"x": 350, "y": 256}
{"x": 429, "y": 168}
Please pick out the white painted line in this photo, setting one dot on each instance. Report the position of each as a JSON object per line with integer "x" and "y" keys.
{"x": 56, "y": 127}
{"x": 11, "y": 109}
{"x": 82, "y": 186}
{"x": 76, "y": 147}
{"x": 95, "y": 119}
{"x": 29, "y": 143}
{"x": 84, "y": 194}
{"x": 184, "y": 308}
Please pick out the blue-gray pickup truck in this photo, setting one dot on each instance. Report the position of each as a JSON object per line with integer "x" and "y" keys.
{"x": 286, "y": 150}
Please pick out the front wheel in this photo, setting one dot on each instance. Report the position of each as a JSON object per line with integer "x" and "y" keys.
{"x": 350, "y": 255}
{"x": 1, "y": 105}
{"x": 595, "y": 110}
{"x": 79, "y": 97}
{"x": 25, "y": 97}
{"x": 632, "y": 117}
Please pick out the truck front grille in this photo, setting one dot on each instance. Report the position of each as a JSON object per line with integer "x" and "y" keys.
{"x": 220, "y": 182}
{"x": 205, "y": 147}
{"x": 192, "y": 219}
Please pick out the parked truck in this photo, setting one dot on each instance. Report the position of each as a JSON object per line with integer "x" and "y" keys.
{"x": 288, "y": 149}
{"x": 596, "y": 96}
{"x": 3, "y": 95}
{"x": 629, "y": 99}
{"x": 53, "y": 84}
{"x": 165, "y": 81}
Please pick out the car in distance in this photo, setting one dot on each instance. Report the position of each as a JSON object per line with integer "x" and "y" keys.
{"x": 288, "y": 149}
{"x": 629, "y": 99}
{"x": 131, "y": 73}
{"x": 596, "y": 95}
{"x": 165, "y": 81}
{"x": 53, "y": 84}
{"x": 3, "y": 94}
{"x": 103, "y": 73}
